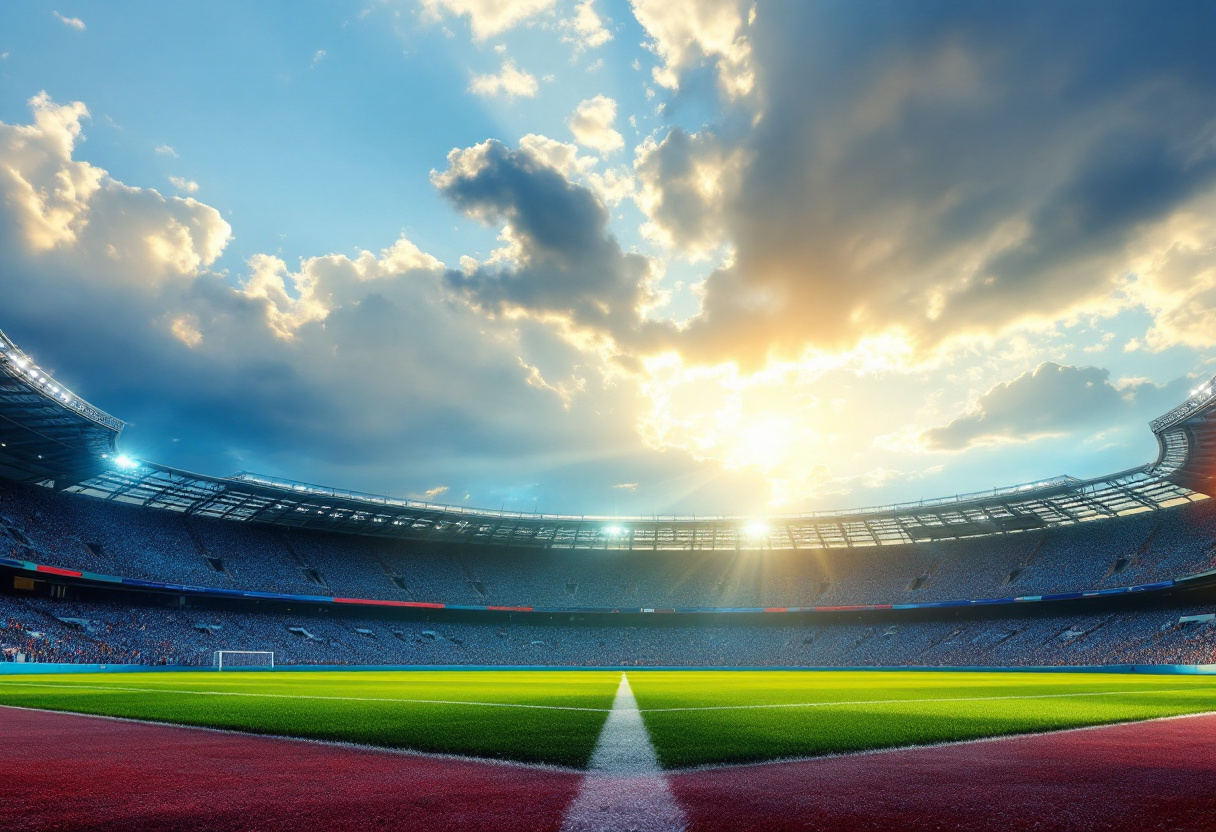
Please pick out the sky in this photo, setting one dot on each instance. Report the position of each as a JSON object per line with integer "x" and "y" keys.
{"x": 617, "y": 256}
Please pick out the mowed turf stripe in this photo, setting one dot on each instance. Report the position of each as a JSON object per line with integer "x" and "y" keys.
{"x": 847, "y": 702}
{"x": 305, "y": 696}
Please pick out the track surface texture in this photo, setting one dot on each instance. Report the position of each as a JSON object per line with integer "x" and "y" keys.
{"x": 67, "y": 772}
{"x": 1140, "y": 776}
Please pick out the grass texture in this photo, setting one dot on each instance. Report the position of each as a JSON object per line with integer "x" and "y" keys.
{"x": 834, "y": 712}
{"x": 693, "y": 717}
{"x": 371, "y": 708}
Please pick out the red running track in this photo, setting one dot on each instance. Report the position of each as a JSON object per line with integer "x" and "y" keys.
{"x": 1145, "y": 776}
{"x": 66, "y": 772}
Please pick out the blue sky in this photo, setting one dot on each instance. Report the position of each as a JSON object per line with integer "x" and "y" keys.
{"x": 687, "y": 256}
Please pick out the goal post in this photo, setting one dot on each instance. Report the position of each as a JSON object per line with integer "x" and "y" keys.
{"x": 233, "y": 659}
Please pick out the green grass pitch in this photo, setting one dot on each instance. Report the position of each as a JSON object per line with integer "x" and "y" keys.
{"x": 693, "y": 717}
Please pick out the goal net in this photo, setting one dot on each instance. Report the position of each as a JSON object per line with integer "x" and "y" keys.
{"x": 232, "y": 659}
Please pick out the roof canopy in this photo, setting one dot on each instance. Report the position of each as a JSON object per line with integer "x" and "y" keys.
{"x": 52, "y": 437}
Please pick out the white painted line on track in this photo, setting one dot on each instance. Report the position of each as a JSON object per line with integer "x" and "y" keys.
{"x": 847, "y": 702}
{"x": 302, "y": 696}
{"x": 624, "y": 790}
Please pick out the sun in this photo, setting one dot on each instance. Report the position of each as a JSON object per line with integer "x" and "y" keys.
{"x": 763, "y": 443}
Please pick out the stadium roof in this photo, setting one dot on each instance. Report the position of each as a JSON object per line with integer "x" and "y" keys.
{"x": 51, "y": 437}
{"x": 46, "y": 431}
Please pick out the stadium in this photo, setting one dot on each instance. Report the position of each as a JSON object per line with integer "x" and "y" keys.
{"x": 647, "y": 416}
{"x": 114, "y": 567}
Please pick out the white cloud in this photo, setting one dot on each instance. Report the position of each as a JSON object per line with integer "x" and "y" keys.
{"x": 291, "y": 300}
{"x": 1175, "y": 267}
{"x": 488, "y": 17}
{"x": 166, "y": 150}
{"x": 585, "y": 29}
{"x": 683, "y": 32}
{"x": 71, "y": 211}
{"x": 317, "y": 57}
{"x": 386, "y": 344}
{"x": 511, "y": 81}
{"x": 566, "y": 390}
{"x": 184, "y": 185}
{"x": 562, "y": 156}
{"x": 612, "y": 186}
{"x": 71, "y": 22}
{"x": 185, "y": 329}
{"x": 592, "y": 122}
{"x": 926, "y": 183}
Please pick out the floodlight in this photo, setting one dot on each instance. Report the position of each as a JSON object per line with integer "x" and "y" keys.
{"x": 756, "y": 528}
{"x": 614, "y": 531}
{"x": 125, "y": 462}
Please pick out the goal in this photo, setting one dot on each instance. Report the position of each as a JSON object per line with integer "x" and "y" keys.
{"x": 232, "y": 659}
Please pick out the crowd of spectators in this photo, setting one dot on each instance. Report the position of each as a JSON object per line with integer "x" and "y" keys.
{"x": 44, "y": 630}
{"x": 78, "y": 532}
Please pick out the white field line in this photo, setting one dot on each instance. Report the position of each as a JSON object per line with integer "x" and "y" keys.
{"x": 302, "y": 696}
{"x": 349, "y": 746}
{"x": 894, "y": 749}
{"x": 495, "y": 761}
{"x": 833, "y": 704}
{"x": 624, "y": 790}
{"x": 848, "y": 702}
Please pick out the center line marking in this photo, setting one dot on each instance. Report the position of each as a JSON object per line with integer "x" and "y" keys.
{"x": 624, "y": 790}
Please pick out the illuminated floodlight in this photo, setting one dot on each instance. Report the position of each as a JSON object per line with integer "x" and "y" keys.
{"x": 125, "y": 462}
{"x": 756, "y": 528}
{"x": 615, "y": 531}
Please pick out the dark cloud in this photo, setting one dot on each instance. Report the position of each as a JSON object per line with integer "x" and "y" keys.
{"x": 563, "y": 260}
{"x": 683, "y": 179}
{"x": 365, "y": 371}
{"x": 940, "y": 170}
{"x": 1053, "y": 400}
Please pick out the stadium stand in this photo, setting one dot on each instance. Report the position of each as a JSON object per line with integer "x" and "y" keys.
{"x": 108, "y": 559}
{"x": 42, "y": 629}
{"x": 77, "y": 532}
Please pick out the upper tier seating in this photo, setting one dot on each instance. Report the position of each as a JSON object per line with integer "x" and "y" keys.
{"x": 78, "y": 532}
